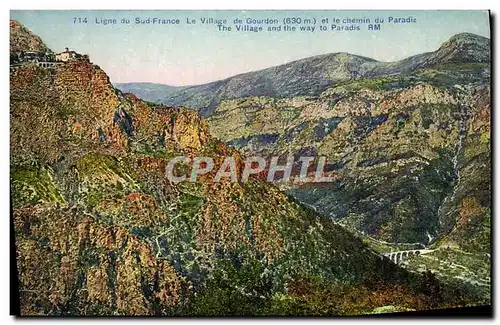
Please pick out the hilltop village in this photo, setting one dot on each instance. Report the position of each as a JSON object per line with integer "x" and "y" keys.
{"x": 44, "y": 59}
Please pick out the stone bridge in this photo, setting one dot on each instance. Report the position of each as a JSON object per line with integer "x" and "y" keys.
{"x": 399, "y": 256}
{"x": 42, "y": 64}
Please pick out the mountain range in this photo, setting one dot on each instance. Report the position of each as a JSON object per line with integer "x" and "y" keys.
{"x": 309, "y": 76}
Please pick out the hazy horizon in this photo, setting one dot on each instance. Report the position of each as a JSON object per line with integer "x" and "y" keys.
{"x": 182, "y": 55}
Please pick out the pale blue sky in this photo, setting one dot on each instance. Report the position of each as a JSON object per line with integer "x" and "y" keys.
{"x": 194, "y": 54}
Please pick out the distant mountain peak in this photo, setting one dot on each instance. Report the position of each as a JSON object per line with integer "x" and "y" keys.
{"x": 467, "y": 36}
{"x": 310, "y": 76}
{"x": 463, "y": 47}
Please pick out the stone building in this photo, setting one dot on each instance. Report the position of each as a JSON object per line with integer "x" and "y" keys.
{"x": 67, "y": 55}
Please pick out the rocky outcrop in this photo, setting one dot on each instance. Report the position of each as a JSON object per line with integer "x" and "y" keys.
{"x": 23, "y": 40}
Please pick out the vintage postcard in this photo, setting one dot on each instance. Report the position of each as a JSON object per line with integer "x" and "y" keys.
{"x": 250, "y": 163}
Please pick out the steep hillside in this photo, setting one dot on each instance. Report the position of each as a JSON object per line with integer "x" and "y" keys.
{"x": 100, "y": 230}
{"x": 311, "y": 76}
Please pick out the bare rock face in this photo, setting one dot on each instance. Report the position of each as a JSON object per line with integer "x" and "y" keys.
{"x": 73, "y": 103}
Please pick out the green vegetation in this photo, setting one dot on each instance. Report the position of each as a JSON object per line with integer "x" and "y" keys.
{"x": 102, "y": 177}
{"x": 460, "y": 269}
{"x": 33, "y": 185}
